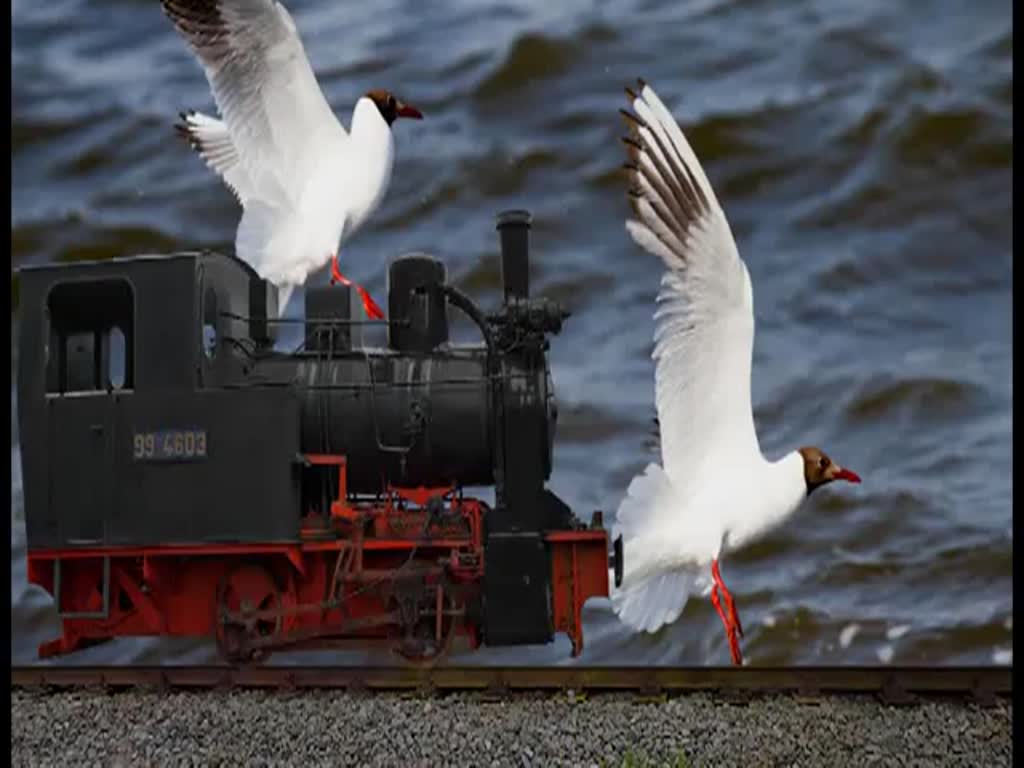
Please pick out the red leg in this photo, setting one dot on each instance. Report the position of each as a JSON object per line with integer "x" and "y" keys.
{"x": 734, "y": 649}
{"x": 731, "y": 623}
{"x": 336, "y": 276}
{"x": 730, "y": 630}
{"x": 718, "y": 607}
{"x": 730, "y": 604}
{"x": 372, "y": 310}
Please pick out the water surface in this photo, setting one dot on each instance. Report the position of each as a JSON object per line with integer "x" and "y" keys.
{"x": 862, "y": 151}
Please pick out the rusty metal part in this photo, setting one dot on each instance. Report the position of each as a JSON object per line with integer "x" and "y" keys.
{"x": 982, "y": 685}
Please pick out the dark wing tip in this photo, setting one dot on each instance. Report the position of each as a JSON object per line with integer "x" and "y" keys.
{"x": 632, "y": 118}
{"x": 173, "y": 9}
{"x": 633, "y": 148}
{"x": 195, "y": 18}
{"x": 185, "y": 130}
{"x": 641, "y": 82}
{"x": 184, "y": 133}
{"x": 634, "y": 196}
{"x": 193, "y": 8}
{"x": 630, "y": 93}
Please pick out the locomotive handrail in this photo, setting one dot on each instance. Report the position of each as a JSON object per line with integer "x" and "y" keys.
{"x": 459, "y": 300}
{"x": 400, "y": 450}
{"x": 317, "y": 320}
{"x": 399, "y": 384}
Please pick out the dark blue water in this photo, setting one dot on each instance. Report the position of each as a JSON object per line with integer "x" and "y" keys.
{"x": 862, "y": 151}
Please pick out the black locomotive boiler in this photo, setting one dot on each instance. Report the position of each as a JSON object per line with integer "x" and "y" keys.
{"x": 184, "y": 478}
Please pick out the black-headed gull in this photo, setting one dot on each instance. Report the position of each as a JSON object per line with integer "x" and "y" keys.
{"x": 714, "y": 492}
{"x": 304, "y": 183}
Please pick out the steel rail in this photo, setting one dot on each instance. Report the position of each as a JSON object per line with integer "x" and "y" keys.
{"x": 895, "y": 685}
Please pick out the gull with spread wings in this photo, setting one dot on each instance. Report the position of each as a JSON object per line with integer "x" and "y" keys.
{"x": 714, "y": 491}
{"x": 305, "y": 184}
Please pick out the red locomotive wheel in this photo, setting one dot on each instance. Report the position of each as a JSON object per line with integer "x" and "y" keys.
{"x": 244, "y": 592}
{"x": 427, "y": 638}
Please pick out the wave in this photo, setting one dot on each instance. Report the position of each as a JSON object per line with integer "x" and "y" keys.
{"x": 923, "y": 397}
{"x": 533, "y": 57}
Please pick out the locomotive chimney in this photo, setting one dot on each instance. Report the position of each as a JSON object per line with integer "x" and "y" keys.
{"x": 514, "y": 229}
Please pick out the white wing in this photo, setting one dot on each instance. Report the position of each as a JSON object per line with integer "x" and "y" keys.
{"x": 265, "y": 89}
{"x": 211, "y": 139}
{"x": 705, "y": 321}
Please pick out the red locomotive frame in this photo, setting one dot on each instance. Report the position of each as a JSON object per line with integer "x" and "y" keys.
{"x": 406, "y": 571}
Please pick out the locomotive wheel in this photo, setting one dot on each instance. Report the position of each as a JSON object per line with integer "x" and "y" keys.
{"x": 245, "y": 590}
{"x": 426, "y": 640}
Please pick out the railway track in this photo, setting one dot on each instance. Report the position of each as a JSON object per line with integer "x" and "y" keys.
{"x": 893, "y": 685}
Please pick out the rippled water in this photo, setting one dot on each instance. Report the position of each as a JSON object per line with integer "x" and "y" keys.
{"x": 862, "y": 151}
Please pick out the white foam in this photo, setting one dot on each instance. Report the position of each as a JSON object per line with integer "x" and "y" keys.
{"x": 884, "y": 654}
{"x": 895, "y": 633}
{"x": 1003, "y": 656}
{"x": 768, "y": 621}
{"x": 847, "y": 635}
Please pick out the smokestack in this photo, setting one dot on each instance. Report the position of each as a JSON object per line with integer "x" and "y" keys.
{"x": 514, "y": 229}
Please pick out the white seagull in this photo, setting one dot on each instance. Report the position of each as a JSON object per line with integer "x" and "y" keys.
{"x": 714, "y": 491}
{"x": 304, "y": 183}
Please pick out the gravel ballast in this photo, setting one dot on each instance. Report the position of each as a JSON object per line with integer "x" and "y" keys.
{"x": 340, "y": 728}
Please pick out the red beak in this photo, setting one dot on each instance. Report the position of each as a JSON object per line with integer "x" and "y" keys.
{"x": 845, "y": 474}
{"x": 404, "y": 110}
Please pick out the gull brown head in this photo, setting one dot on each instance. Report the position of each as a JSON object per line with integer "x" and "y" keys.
{"x": 391, "y": 108}
{"x": 820, "y": 470}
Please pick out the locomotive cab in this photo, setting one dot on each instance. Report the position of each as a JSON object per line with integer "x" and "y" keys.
{"x": 127, "y": 437}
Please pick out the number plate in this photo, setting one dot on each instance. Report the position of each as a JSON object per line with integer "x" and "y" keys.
{"x": 170, "y": 445}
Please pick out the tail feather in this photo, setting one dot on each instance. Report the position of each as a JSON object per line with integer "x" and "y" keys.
{"x": 655, "y": 588}
{"x": 657, "y": 600}
{"x": 271, "y": 239}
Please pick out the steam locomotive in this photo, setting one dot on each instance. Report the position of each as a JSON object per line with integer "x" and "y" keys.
{"x": 184, "y": 477}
